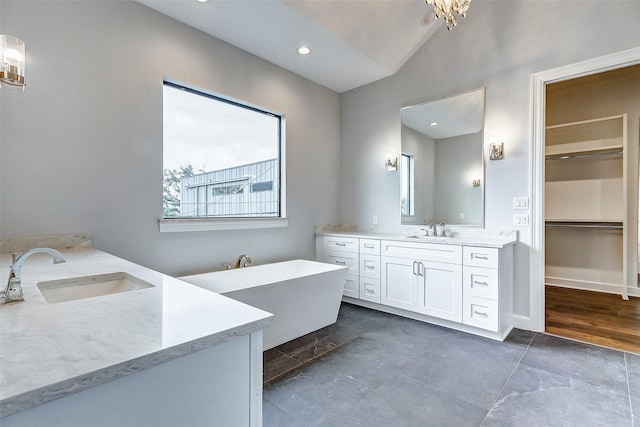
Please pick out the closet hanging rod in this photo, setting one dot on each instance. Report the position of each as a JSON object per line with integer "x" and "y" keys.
{"x": 612, "y": 226}
{"x": 582, "y": 156}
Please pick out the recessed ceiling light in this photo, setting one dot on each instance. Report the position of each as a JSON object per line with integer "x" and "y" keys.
{"x": 433, "y": 124}
{"x": 304, "y": 50}
{"x": 202, "y": 1}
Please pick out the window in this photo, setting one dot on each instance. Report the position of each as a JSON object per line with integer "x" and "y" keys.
{"x": 406, "y": 186}
{"x": 222, "y": 158}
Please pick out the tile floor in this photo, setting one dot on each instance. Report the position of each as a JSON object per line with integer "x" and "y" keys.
{"x": 376, "y": 369}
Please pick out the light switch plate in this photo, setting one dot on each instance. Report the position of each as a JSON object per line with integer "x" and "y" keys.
{"x": 520, "y": 203}
{"x": 520, "y": 220}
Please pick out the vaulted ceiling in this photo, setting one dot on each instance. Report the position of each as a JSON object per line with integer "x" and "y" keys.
{"x": 352, "y": 42}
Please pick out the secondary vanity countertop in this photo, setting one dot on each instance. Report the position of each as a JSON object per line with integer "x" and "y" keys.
{"x": 48, "y": 351}
{"x": 487, "y": 239}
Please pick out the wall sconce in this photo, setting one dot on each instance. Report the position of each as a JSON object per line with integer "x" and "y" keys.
{"x": 496, "y": 151}
{"x": 12, "y": 61}
{"x": 476, "y": 183}
{"x": 391, "y": 163}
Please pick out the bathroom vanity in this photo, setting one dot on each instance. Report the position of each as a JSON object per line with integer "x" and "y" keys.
{"x": 464, "y": 283}
{"x": 164, "y": 355}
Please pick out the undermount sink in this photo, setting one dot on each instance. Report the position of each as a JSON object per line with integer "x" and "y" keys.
{"x": 76, "y": 288}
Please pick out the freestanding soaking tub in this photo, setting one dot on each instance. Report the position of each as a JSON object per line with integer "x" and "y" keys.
{"x": 304, "y": 296}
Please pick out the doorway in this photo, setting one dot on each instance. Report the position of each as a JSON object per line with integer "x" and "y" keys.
{"x": 554, "y": 86}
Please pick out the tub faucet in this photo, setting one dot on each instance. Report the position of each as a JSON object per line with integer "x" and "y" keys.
{"x": 247, "y": 262}
{"x": 13, "y": 291}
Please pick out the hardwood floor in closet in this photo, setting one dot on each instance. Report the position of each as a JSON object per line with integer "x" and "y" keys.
{"x": 593, "y": 317}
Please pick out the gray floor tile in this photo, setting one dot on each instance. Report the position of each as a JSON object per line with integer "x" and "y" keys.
{"x": 311, "y": 404}
{"x": 535, "y": 397}
{"x": 302, "y": 399}
{"x": 272, "y": 416}
{"x": 404, "y": 401}
{"x": 587, "y": 363}
{"x": 520, "y": 336}
{"x": 633, "y": 370}
{"x": 362, "y": 358}
{"x": 472, "y": 368}
{"x": 407, "y": 337}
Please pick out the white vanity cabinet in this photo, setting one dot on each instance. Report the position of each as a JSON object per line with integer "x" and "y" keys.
{"x": 370, "y": 266}
{"x": 342, "y": 251}
{"x": 460, "y": 286}
{"x": 423, "y": 277}
{"x": 487, "y": 282}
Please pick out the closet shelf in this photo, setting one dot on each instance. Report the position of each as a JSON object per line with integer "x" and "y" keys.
{"x": 615, "y": 150}
{"x": 618, "y": 225}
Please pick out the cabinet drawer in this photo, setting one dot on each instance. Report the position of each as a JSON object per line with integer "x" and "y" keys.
{"x": 344, "y": 258}
{"x": 370, "y": 266}
{"x": 342, "y": 244}
{"x": 434, "y": 252}
{"x": 480, "y": 257}
{"x": 481, "y": 313}
{"x": 480, "y": 282}
{"x": 351, "y": 287}
{"x": 370, "y": 247}
{"x": 370, "y": 289}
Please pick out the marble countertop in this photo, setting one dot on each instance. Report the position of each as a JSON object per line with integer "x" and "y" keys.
{"x": 48, "y": 351}
{"x": 485, "y": 239}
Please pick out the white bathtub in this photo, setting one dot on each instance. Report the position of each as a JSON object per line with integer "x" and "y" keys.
{"x": 304, "y": 296}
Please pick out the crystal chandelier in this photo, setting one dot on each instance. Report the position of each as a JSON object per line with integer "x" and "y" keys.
{"x": 447, "y": 8}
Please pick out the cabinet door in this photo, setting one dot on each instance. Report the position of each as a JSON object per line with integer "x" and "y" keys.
{"x": 399, "y": 283}
{"x": 440, "y": 290}
{"x": 351, "y": 287}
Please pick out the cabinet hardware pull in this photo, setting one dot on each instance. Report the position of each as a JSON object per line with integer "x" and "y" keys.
{"x": 480, "y": 283}
{"x": 369, "y": 246}
{"x": 480, "y": 313}
{"x": 415, "y": 263}
{"x": 484, "y": 257}
{"x": 369, "y": 291}
{"x": 341, "y": 262}
{"x": 420, "y": 269}
{"x": 370, "y": 267}
{"x": 340, "y": 244}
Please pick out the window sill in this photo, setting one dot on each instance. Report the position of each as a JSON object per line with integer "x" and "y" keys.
{"x": 210, "y": 224}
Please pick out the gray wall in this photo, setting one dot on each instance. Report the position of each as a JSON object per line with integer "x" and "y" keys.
{"x": 82, "y": 147}
{"x": 499, "y": 45}
{"x": 459, "y": 162}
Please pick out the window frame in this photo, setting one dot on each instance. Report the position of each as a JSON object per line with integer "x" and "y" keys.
{"x": 183, "y": 224}
{"x": 408, "y": 174}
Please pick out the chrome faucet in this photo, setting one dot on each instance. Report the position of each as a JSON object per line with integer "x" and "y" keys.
{"x": 239, "y": 263}
{"x": 13, "y": 291}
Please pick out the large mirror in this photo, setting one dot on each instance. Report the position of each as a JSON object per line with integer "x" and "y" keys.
{"x": 442, "y": 166}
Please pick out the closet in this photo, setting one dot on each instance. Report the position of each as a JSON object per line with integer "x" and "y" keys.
{"x": 586, "y": 176}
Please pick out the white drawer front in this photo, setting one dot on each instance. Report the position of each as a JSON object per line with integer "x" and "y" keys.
{"x": 435, "y": 252}
{"x": 481, "y": 313}
{"x": 342, "y": 244}
{"x": 344, "y": 258}
{"x": 351, "y": 287}
{"x": 480, "y": 257}
{"x": 370, "y": 289}
{"x": 370, "y": 266}
{"x": 480, "y": 282}
{"x": 370, "y": 247}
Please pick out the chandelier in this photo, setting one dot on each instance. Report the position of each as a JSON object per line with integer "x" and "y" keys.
{"x": 447, "y": 8}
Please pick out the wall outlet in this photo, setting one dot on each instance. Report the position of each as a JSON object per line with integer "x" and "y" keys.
{"x": 520, "y": 220}
{"x": 374, "y": 220}
{"x": 520, "y": 203}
